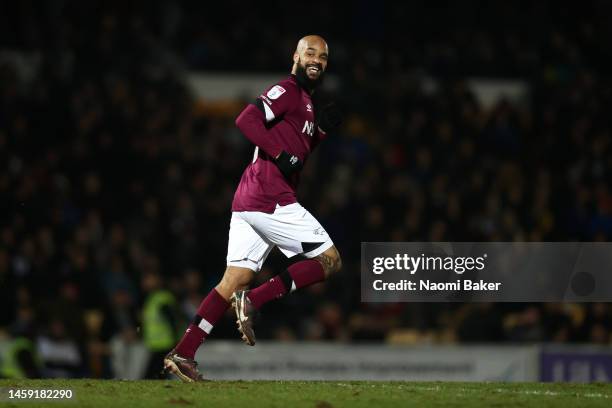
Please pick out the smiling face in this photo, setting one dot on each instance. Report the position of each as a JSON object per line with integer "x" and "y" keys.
{"x": 310, "y": 61}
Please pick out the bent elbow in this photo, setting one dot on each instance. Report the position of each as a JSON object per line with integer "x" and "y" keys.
{"x": 240, "y": 120}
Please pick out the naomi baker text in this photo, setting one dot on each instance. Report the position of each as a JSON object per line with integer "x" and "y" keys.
{"x": 427, "y": 285}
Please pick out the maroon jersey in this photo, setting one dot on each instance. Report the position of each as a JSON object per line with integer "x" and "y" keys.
{"x": 289, "y": 124}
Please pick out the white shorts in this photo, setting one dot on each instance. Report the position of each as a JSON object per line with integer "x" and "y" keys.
{"x": 291, "y": 227}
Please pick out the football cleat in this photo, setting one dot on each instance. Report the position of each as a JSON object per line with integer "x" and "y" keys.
{"x": 245, "y": 313}
{"x": 184, "y": 368}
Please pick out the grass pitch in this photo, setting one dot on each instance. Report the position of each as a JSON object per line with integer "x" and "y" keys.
{"x": 312, "y": 394}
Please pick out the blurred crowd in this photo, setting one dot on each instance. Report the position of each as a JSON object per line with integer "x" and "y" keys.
{"x": 114, "y": 187}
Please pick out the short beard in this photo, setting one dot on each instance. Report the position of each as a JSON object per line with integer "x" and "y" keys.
{"x": 304, "y": 81}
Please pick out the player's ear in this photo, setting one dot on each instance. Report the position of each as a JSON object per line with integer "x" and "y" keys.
{"x": 296, "y": 57}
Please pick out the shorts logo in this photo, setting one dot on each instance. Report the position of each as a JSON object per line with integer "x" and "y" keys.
{"x": 276, "y": 92}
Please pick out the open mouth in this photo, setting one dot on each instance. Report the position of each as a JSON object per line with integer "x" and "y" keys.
{"x": 313, "y": 69}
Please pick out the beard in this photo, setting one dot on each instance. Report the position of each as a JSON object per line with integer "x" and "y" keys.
{"x": 304, "y": 80}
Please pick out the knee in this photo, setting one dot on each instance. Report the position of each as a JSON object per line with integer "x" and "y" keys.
{"x": 337, "y": 264}
{"x": 330, "y": 260}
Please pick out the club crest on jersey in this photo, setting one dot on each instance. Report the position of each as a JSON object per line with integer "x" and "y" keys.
{"x": 308, "y": 108}
{"x": 276, "y": 92}
{"x": 308, "y": 128}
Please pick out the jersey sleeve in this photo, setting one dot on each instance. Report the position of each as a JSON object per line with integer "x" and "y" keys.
{"x": 278, "y": 100}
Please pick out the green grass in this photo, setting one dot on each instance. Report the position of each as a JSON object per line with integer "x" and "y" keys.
{"x": 313, "y": 394}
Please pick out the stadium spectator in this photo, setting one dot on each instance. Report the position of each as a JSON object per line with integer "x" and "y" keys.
{"x": 105, "y": 161}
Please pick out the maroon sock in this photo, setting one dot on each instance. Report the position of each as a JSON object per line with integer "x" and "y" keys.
{"x": 210, "y": 311}
{"x": 298, "y": 275}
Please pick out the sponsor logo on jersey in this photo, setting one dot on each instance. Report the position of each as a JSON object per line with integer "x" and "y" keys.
{"x": 308, "y": 128}
{"x": 276, "y": 92}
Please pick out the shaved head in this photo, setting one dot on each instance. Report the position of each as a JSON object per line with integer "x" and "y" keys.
{"x": 312, "y": 41}
{"x": 310, "y": 61}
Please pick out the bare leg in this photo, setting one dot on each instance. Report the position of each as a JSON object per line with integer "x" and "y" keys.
{"x": 330, "y": 260}
{"x": 298, "y": 275}
{"x": 235, "y": 278}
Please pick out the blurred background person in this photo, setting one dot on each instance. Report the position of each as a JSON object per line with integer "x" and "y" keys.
{"x": 118, "y": 144}
{"x": 160, "y": 321}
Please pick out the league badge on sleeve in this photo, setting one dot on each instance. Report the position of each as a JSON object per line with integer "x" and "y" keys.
{"x": 275, "y": 92}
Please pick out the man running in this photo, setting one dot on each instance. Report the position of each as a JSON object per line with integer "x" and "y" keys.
{"x": 265, "y": 212}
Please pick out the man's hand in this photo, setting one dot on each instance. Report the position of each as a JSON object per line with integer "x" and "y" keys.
{"x": 288, "y": 164}
{"x": 330, "y": 117}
